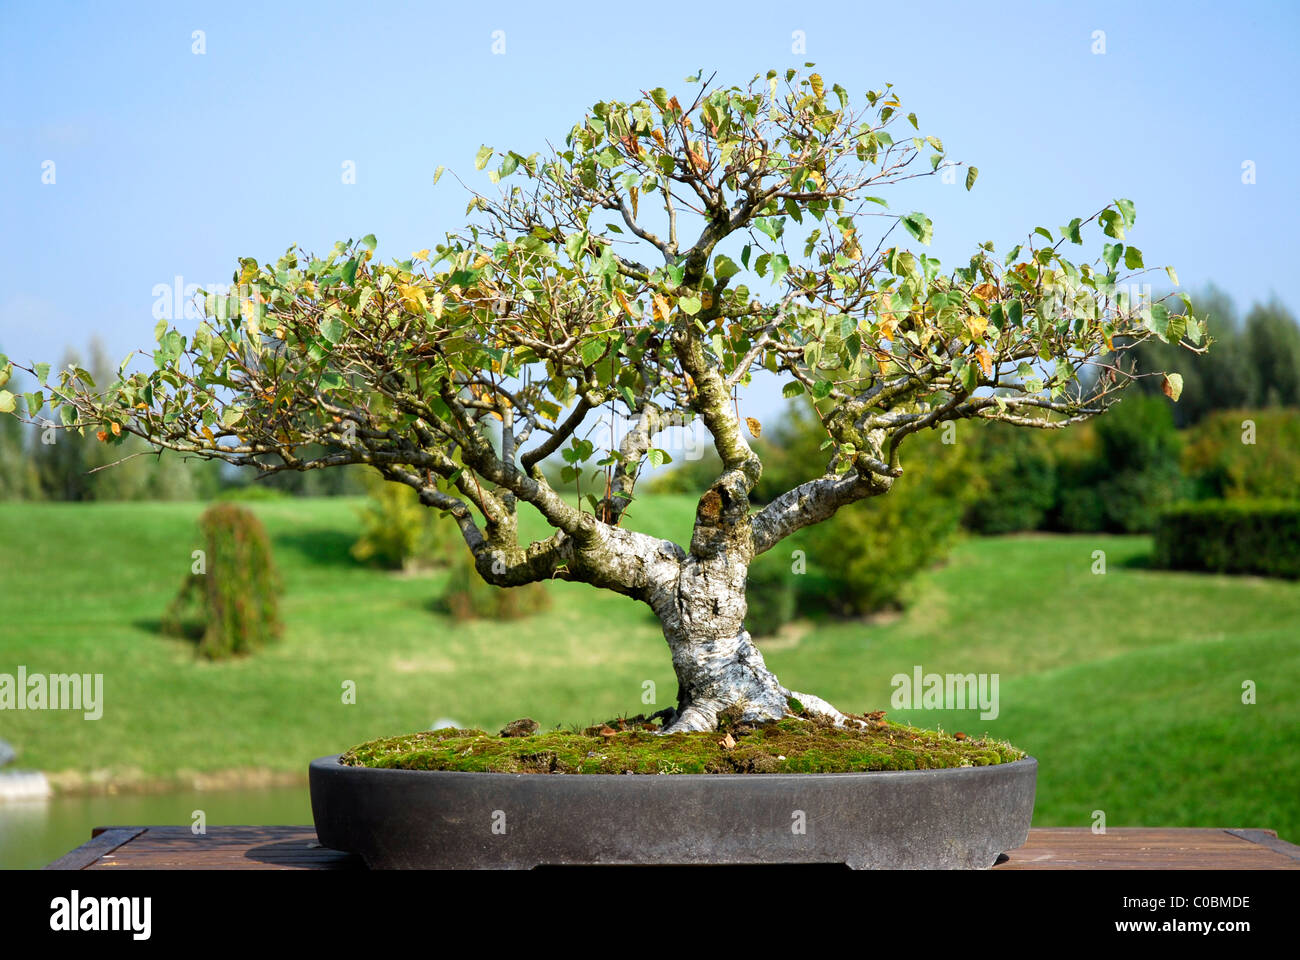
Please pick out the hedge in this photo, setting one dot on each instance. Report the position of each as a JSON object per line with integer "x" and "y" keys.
{"x": 1231, "y": 536}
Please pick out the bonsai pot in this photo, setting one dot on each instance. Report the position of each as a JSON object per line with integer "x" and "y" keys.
{"x": 955, "y": 818}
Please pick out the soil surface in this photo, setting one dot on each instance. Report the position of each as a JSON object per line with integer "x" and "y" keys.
{"x": 631, "y": 745}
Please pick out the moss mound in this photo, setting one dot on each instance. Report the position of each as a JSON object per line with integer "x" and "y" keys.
{"x": 791, "y": 745}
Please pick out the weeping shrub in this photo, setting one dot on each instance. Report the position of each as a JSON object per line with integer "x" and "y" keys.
{"x": 468, "y": 596}
{"x": 229, "y": 603}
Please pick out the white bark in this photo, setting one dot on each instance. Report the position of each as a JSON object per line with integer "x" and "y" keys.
{"x": 718, "y": 666}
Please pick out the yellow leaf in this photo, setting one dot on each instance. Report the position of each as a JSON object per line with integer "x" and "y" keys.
{"x": 661, "y": 308}
{"x": 437, "y": 305}
{"x": 635, "y": 194}
{"x": 977, "y": 323}
{"x": 755, "y": 428}
{"x": 413, "y": 298}
{"x": 622, "y": 301}
{"x": 117, "y": 429}
{"x": 421, "y": 254}
{"x": 985, "y": 361}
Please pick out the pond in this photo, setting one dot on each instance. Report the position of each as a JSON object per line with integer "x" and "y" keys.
{"x": 35, "y": 832}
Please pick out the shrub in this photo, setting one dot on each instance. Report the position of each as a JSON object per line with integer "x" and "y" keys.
{"x": 1023, "y": 485}
{"x": 1231, "y": 536}
{"x": 232, "y": 603}
{"x": 864, "y": 558}
{"x": 1132, "y": 474}
{"x": 468, "y": 596}
{"x": 400, "y": 533}
{"x": 1220, "y": 463}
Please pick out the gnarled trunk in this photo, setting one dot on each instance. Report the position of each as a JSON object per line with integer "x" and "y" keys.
{"x": 718, "y": 666}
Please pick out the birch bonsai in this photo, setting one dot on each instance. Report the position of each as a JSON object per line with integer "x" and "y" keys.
{"x": 650, "y": 267}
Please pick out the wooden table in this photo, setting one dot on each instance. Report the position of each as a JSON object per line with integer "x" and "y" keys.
{"x": 1049, "y": 848}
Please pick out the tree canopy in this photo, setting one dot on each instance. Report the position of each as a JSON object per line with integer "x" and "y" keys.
{"x": 651, "y": 265}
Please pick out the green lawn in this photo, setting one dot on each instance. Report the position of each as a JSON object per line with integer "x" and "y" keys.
{"x": 1126, "y": 686}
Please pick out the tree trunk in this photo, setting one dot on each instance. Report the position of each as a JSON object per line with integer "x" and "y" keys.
{"x": 718, "y": 666}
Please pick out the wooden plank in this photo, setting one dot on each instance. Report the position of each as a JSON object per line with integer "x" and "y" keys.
{"x": 1048, "y": 848}
{"x": 1143, "y": 848}
{"x": 103, "y": 840}
{"x": 227, "y": 848}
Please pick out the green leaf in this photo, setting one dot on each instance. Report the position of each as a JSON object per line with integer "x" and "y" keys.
{"x": 689, "y": 305}
{"x": 1157, "y": 319}
{"x": 1133, "y": 258}
{"x": 1173, "y": 275}
{"x": 1112, "y": 224}
{"x": 6, "y": 371}
{"x": 1071, "y": 231}
{"x": 780, "y": 266}
{"x": 1110, "y": 252}
{"x": 42, "y": 371}
{"x": 482, "y": 157}
{"x": 369, "y": 241}
{"x": 919, "y": 226}
{"x": 658, "y": 457}
{"x": 6, "y": 402}
{"x": 724, "y": 267}
{"x": 350, "y": 271}
{"x": 1176, "y": 328}
{"x": 1127, "y": 211}
{"x": 68, "y": 414}
{"x": 332, "y": 329}
{"x": 34, "y": 402}
{"x": 971, "y": 175}
{"x": 437, "y": 174}
{"x": 769, "y": 225}
{"x": 792, "y": 389}
{"x": 822, "y": 389}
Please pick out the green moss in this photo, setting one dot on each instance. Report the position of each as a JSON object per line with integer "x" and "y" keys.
{"x": 791, "y": 745}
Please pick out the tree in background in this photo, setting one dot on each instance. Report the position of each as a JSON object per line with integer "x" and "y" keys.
{"x": 1245, "y": 454}
{"x": 617, "y": 273}
{"x": 1255, "y": 364}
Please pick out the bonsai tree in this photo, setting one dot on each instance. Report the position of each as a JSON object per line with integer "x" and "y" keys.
{"x": 649, "y": 268}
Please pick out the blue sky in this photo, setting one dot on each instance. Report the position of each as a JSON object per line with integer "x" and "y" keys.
{"x": 173, "y": 164}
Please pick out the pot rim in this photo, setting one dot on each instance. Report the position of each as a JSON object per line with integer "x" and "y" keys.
{"x": 331, "y": 764}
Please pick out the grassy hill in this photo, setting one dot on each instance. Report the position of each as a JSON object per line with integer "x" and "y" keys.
{"x": 1126, "y": 686}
